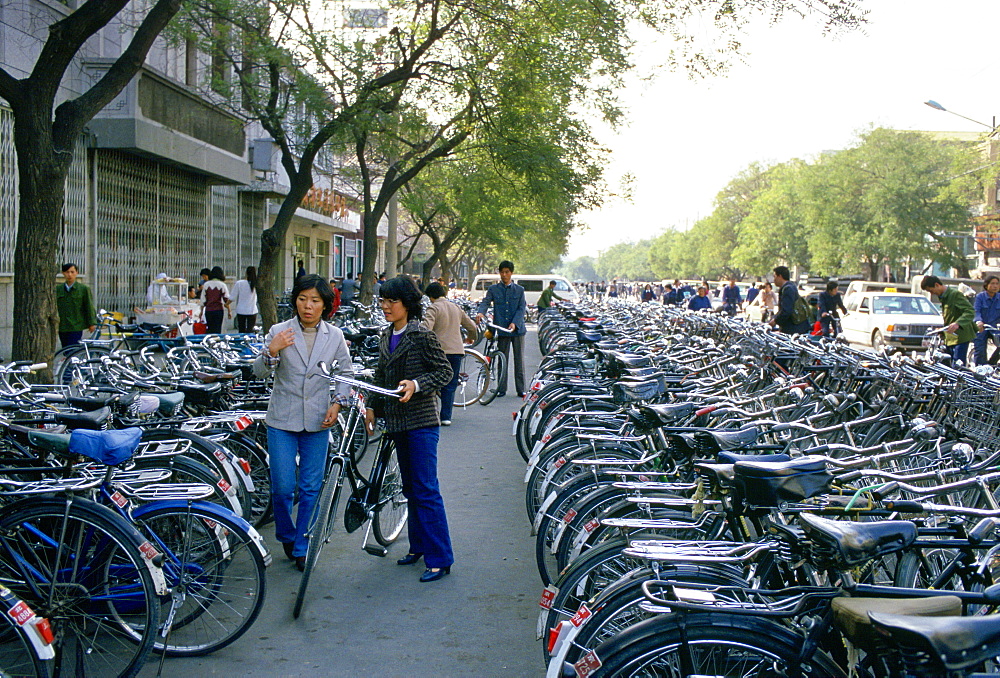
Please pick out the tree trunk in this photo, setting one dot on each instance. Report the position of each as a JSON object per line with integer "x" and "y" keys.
{"x": 271, "y": 244}
{"x": 42, "y": 172}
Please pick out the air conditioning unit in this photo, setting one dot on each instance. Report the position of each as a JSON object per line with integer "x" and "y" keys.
{"x": 263, "y": 155}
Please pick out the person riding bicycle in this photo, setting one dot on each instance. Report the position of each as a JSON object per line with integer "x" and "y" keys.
{"x": 731, "y": 298}
{"x": 987, "y": 311}
{"x": 411, "y": 358}
{"x": 829, "y": 302}
{"x": 301, "y": 410}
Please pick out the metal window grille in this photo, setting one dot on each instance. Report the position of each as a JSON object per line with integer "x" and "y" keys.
{"x": 8, "y": 192}
{"x": 225, "y": 229}
{"x": 251, "y": 226}
{"x": 75, "y": 211}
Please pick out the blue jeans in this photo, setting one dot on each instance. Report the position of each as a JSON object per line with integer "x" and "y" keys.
{"x": 448, "y": 392}
{"x": 959, "y": 353}
{"x": 282, "y": 448}
{"x": 981, "y": 342}
{"x": 70, "y": 338}
{"x": 427, "y": 522}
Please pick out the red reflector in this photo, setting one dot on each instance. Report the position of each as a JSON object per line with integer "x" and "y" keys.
{"x": 45, "y": 629}
{"x": 554, "y": 636}
{"x": 244, "y": 464}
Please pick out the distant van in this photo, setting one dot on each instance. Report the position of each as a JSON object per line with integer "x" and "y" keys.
{"x": 532, "y": 284}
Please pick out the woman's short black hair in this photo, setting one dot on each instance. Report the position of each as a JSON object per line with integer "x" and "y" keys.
{"x": 435, "y": 290}
{"x": 217, "y": 274}
{"x": 311, "y": 281}
{"x": 205, "y": 271}
{"x": 403, "y": 289}
{"x": 988, "y": 280}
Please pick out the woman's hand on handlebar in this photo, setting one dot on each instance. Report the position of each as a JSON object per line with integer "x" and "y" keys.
{"x": 409, "y": 387}
{"x": 331, "y": 415}
{"x": 370, "y": 420}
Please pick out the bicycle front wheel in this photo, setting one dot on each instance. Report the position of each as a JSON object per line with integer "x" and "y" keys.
{"x": 392, "y": 509}
{"x": 471, "y": 383}
{"x": 497, "y": 379}
{"x": 320, "y": 527}
{"x": 212, "y": 561}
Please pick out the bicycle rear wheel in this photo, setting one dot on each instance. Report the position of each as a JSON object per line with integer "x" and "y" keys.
{"x": 497, "y": 378}
{"x": 320, "y": 527}
{"x": 86, "y": 571}
{"x": 392, "y": 509}
{"x": 471, "y": 385}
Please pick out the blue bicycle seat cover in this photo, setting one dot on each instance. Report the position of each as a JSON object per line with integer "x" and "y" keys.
{"x": 106, "y": 447}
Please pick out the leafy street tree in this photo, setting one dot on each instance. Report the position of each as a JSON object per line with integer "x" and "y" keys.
{"x": 774, "y": 229}
{"x": 626, "y": 260}
{"x": 45, "y": 133}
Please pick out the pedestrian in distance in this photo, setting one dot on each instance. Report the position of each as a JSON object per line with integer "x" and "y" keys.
{"x": 648, "y": 294}
{"x": 301, "y": 270}
{"x": 244, "y": 299}
{"x": 987, "y": 308}
{"x": 509, "y": 306}
{"x": 546, "y": 297}
{"x": 336, "y": 299}
{"x": 215, "y": 300}
{"x": 301, "y": 410}
{"x": 203, "y": 276}
{"x": 959, "y": 318}
{"x": 753, "y": 292}
{"x": 731, "y": 298}
{"x": 410, "y": 358}
{"x": 446, "y": 321}
{"x": 348, "y": 289}
{"x": 700, "y": 301}
{"x": 787, "y": 318}
{"x": 75, "y": 305}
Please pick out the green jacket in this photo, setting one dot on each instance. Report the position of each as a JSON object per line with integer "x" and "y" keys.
{"x": 76, "y": 307}
{"x": 545, "y": 301}
{"x": 957, "y": 309}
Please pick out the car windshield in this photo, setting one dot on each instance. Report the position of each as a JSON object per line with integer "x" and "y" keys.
{"x": 893, "y": 305}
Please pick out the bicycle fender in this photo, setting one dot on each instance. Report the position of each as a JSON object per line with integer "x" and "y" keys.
{"x": 213, "y": 509}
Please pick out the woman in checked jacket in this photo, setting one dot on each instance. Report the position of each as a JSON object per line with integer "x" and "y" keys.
{"x": 411, "y": 358}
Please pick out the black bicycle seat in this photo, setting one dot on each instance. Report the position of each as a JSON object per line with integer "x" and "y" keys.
{"x": 93, "y": 421}
{"x": 842, "y": 544}
{"x": 729, "y": 440}
{"x": 958, "y": 642}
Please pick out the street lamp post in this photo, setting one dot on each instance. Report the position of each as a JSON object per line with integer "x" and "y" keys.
{"x": 938, "y": 107}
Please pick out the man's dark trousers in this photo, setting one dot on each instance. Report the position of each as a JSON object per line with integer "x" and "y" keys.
{"x": 503, "y": 345}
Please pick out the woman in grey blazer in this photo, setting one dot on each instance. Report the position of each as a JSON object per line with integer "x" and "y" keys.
{"x": 302, "y": 408}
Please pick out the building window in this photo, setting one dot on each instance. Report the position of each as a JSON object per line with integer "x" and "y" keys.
{"x": 301, "y": 253}
{"x": 338, "y": 256}
{"x": 323, "y": 258}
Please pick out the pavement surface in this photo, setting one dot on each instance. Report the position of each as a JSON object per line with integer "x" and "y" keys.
{"x": 367, "y": 616}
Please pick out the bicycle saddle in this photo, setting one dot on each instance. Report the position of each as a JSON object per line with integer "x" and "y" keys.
{"x": 106, "y": 447}
{"x": 588, "y": 337}
{"x": 719, "y": 475}
{"x": 211, "y": 378}
{"x": 95, "y": 420}
{"x": 852, "y": 615}
{"x": 844, "y": 544}
{"x": 957, "y": 642}
{"x": 653, "y": 416}
{"x": 729, "y": 457}
{"x": 169, "y": 403}
{"x": 90, "y": 403}
{"x": 728, "y": 440}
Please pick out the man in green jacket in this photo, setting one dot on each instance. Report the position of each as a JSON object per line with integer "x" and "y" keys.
{"x": 545, "y": 301}
{"x": 76, "y": 307}
{"x": 959, "y": 317}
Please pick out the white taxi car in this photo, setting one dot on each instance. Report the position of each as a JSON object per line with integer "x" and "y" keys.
{"x": 881, "y": 319}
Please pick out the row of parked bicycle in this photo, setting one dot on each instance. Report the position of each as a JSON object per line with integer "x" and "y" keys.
{"x": 131, "y": 492}
{"x": 710, "y": 498}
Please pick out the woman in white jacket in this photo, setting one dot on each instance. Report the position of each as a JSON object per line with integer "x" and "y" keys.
{"x": 243, "y": 299}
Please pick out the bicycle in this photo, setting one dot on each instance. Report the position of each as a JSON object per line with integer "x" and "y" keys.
{"x": 473, "y": 376}
{"x": 493, "y": 380}
{"x": 377, "y": 500}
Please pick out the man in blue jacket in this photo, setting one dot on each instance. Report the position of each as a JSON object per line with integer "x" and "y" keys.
{"x": 508, "y": 311}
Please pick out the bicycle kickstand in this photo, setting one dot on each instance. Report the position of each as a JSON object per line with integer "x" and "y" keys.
{"x": 373, "y": 549}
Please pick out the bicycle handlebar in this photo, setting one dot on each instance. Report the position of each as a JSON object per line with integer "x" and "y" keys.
{"x": 363, "y": 385}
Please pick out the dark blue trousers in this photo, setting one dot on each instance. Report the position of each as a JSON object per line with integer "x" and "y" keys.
{"x": 427, "y": 523}
{"x": 448, "y": 392}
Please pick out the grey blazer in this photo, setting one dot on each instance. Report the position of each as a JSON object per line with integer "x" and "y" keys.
{"x": 300, "y": 397}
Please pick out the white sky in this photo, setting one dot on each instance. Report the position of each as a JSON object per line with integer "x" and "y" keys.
{"x": 797, "y": 94}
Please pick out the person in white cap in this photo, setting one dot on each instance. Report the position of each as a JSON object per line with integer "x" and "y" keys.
{"x": 157, "y": 293}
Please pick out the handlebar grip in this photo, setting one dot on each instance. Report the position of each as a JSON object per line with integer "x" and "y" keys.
{"x": 847, "y": 477}
{"x": 706, "y": 410}
{"x": 37, "y": 366}
{"x": 778, "y": 428}
{"x": 906, "y": 506}
{"x": 884, "y": 491}
{"x": 819, "y": 449}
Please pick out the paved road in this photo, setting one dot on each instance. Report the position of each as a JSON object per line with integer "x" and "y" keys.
{"x": 369, "y": 617}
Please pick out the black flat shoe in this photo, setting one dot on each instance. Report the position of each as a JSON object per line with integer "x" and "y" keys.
{"x": 434, "y": 574}
{"x": 409, "y": 558}
{"x": 288, "y": 547}
{"x": 300, "y": 563}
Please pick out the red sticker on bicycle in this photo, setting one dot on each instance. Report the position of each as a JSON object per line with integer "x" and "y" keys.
{"x": 558, "y": 463}
{"x": 243, "y": 422}
{"x": 581, "y": 616}
{"x": 119, "y": 499}
{"x": 548, "y": 595}
{"x": 587, "y": 664}
{"x": 542, "y": 405}
{"x": 220, "y": 455}
{"x": 591, "y": 525}
{"x": 148, "y": 551}
{"x": 21, "y": 613}
{"x": 224, "y": 485}
{"x": 569, "y": 516}
{"x": 211, "y": 523}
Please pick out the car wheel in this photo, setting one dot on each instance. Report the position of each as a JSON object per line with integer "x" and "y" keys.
{"x": 878, "y": 341}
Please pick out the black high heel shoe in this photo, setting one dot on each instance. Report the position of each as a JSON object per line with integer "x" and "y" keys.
{"x": 409, "y": 558}
{"x": 432, "y": 575}
{"x": 288, "y": 546}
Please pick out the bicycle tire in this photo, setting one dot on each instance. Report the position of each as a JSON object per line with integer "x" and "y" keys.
{"x": 104, "y": 613}
{"x": 651, "y": 648}
{"x": 497, "y": 378}
{"x": 320, "y": 527}
{"x": 486, "y": 384}
{"x": 470, "y": 384}
{"x": 392, "y": 509}
{"x": 214, "y": 559}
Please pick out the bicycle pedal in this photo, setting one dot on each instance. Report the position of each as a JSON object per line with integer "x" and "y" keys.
{"x": 376, "y": 550}
{"x": 354, "y": 515}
